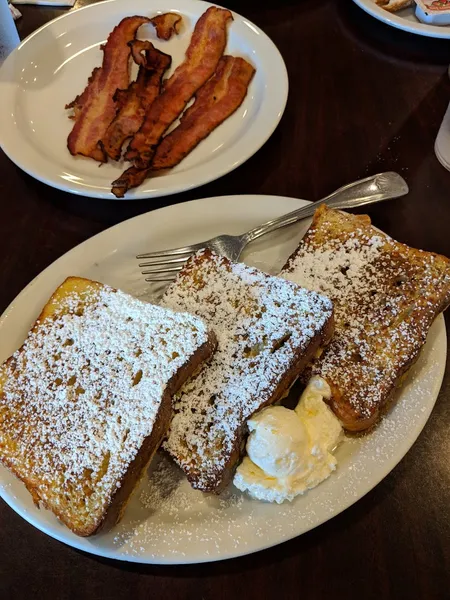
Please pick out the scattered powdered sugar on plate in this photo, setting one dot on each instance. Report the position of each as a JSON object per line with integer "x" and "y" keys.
{"x": 174, "y": 511}
{"x": 171, "y": 522}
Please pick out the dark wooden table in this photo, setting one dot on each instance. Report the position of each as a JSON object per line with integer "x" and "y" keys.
{"x": 363, "y": 98}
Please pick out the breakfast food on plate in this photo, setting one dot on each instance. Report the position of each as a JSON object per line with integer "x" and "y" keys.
{"x": 290, "y": 451}
{"x": 112, "y": 109}
{"x": 214, "y": 102}
{"x": 268, "y": 329}
{"x": 394, "y": 5}
{"x": 135, "y": 101}
{"x": 386, "y": 296}
{"x": 167, "y": 25}
{"x": 85, "y": 402}
{"x": 96, "y": 107}
{"x": 202, "y": 57}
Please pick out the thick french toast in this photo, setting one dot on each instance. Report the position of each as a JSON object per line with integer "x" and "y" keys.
{"x": 386, "y": 295}
{"x": 267, "y": 329}
{"x": 86, "y": 401}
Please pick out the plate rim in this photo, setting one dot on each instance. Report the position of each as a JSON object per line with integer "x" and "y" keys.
{"x": 205, "y": 176}
{"x": 433, "y": 31}
{"x": 112, "y": 554}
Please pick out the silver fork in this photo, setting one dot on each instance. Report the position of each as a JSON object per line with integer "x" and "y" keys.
{"x": 165, "y": 264}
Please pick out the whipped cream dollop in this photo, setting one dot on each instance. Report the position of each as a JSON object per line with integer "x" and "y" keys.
{"x": 290, "y": 451}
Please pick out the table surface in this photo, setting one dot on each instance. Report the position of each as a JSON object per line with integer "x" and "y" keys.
{"x": 364, "y": 98}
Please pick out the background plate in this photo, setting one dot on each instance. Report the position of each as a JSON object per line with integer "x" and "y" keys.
{"x": 404, "y": 19}
{"x": 53, "y": 64}
{"x": 166, "y": 521}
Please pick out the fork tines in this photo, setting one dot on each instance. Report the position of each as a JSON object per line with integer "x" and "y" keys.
{"x": 161, "y": 267}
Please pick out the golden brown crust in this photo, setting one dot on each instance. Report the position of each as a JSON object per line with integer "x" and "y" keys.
{"x": 139, "y": 466}
{"x": 111, "y": 513}
{"x": 299, "y": 363}
{"x": 386, "y": 297}
{"x": 267, "y": 333}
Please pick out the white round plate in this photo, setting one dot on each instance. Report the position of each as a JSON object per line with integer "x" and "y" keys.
{"x": 404, "y": 19}
{"x": 166, "y": 521}
{"x": 53, "y": 64}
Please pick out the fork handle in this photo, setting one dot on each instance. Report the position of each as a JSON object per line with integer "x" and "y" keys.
{"x": 376, "y": 188}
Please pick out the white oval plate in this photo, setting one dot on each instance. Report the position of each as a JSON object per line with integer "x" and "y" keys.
{"x": 53, "y": 64}
{"x": 166, "y": 521}
{"x": 404, "y": 19}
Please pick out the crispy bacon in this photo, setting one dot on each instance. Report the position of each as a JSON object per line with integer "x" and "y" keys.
{"x": 135, "y": 101}
{"x": 78, "y": 103}
{"x": 131, "y": 178}
{"x": 95, "y": 108}
{"x": 167, "y": 25}
{"x": 203, "y": 54}
{"x": 215, "y": 102}
{"x": 139, "y": 49}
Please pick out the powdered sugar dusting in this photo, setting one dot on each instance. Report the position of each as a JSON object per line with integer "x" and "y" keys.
{"x": 386, "y": 296}
{"x": 171, "y": 522}
{"x": 149, "y": 535}
{"x": 168, "y": 498}
{"x": 83, "y": 393}
{"x": 261, "y": 323}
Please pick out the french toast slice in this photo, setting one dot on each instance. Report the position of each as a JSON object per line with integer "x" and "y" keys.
{"x": 267, "y": 329}
{"x": 86, "y": 401}
{"x": 386, "y": 296}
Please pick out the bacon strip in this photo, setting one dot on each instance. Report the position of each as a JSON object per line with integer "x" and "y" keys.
{"x": 80, "y": 100}
{"x": 131, "y": 178}
{"x": 96, "y": 108}
{"x": 203, "y": 54}
{"x": 167, "y": 25}
{"x": 215, "y": 101}
{"x": 134, "y": 102}
{"x": 139, "y": 49}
